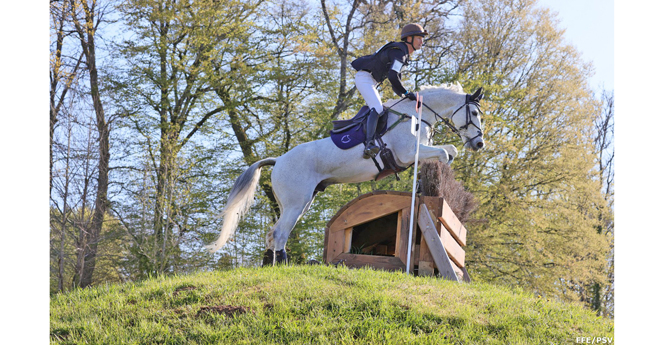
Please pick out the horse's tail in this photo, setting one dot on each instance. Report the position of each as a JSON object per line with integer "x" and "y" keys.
{"x": 239, "y": 201}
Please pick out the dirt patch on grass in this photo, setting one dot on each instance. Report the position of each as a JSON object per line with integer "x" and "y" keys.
{"x": 184, "y": 288}
{"x": 223, "y": 309}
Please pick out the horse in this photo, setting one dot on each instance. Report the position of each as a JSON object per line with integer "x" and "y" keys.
{"x": 310, "y": 167}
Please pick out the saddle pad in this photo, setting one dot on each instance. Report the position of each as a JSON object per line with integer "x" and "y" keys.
{"x": 350, "y": 138}
{"x": 356, "y": 135}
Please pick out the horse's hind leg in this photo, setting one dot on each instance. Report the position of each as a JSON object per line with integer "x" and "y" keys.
{"x": 294, "y": 202}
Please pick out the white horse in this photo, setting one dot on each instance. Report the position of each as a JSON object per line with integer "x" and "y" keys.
{"x": 297, "y": 174}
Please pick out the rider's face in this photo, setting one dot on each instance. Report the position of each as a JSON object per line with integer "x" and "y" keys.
{"x": 418, "y": 41}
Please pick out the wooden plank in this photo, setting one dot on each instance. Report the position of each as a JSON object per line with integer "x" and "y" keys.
{"x": 414, "y": 257}
{"x": 432, "y": 203}
{"x": 380, "y": 262}
{"x": 453, "y": 248}
{"x": 466, "y": 276}
{"x": 335, "y": 245}
{"x": 403, "y": 228}
{"x": 348, "y": 235}
{"x": 368, "y": 209}
{"x": 449, "y": 219}
{"x": 425, "y": 252}
{"x": 425, "y": 268}
{"x": 457, "y": 270}
{"x": 440, "y": 257}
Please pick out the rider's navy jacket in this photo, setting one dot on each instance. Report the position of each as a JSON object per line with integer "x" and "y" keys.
{"x": 380, "y": 63}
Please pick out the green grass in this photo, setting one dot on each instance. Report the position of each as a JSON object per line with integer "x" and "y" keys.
{"x": 314, "y": 305}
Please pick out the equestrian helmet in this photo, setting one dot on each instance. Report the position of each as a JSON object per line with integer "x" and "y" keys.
{"x": 412, "y": 30}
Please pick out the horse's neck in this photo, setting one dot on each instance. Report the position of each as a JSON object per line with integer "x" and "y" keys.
{"x": 441, "y": 103}
{"x": 408, "y": 108}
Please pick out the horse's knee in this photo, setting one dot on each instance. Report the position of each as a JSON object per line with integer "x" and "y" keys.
{"x": 444, "y": 156}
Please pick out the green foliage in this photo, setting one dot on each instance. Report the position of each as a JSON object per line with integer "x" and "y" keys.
{"x": 314, "y": 304}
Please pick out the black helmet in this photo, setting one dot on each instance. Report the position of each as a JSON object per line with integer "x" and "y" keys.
{"x": 412, "y": 30}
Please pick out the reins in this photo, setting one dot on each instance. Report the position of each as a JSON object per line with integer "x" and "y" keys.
{"x": 468, "y": 119}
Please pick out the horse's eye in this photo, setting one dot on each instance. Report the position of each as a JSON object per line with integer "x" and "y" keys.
{"x": 474, "y": 113}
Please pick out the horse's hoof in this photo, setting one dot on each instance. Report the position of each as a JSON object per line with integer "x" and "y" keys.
{"x": 268, "y": 258}
{"x": 280, "y": 257}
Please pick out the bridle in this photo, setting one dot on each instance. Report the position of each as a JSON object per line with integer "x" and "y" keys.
{"x": 468, "y": 119}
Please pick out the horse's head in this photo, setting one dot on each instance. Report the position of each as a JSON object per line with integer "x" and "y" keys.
{"x": 467, "y": 120}
{"x": 458, "y": 110}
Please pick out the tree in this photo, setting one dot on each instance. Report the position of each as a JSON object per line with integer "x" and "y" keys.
{"x": 181, "y": 56}
{"x": 602, "y": 297}
{"x": 86, "y": 17}
{"x": 535, "y": 181}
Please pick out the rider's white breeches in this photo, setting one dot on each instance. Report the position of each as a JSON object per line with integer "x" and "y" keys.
{"x": 366, "y": 84}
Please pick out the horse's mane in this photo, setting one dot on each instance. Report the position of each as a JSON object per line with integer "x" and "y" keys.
{"x": 456, "y": 87}
{"x": 426, "y": 89}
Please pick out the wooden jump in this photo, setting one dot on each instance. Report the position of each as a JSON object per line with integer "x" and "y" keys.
{"x": 372, "y": 230}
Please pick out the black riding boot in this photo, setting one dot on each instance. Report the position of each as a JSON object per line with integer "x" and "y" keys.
{"x": 370, "y": 147}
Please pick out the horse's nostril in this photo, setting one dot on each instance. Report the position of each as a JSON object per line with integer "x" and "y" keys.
{"x": 480, "y": 144}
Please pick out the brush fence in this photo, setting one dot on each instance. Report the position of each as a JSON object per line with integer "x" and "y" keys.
{"x": 373, "y": 230}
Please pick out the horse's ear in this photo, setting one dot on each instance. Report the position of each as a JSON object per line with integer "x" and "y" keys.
{"x": 477, "y": 95}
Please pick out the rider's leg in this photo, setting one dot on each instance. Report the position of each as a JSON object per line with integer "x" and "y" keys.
{"x": 366, "y": 85}
{"x": 370, "y": 147}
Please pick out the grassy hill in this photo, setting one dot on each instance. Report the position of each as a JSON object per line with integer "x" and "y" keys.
{"x": 314, "y": 305}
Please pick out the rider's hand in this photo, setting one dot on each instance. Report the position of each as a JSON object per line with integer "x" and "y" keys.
{"x": 410, "y": 95}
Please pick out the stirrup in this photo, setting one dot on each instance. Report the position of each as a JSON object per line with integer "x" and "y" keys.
{"x": 371, "y": 150}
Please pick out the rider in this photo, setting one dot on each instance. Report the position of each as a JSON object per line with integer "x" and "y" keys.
{"x": 388, "y": 62}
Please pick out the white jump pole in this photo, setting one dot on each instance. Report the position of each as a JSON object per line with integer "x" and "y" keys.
{"x": 415, "y": 129}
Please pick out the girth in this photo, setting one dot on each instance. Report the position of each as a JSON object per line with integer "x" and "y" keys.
{"x": 389, "y": 163}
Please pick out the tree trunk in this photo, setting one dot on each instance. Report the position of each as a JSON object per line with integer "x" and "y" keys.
{"x": 87, "y": 35}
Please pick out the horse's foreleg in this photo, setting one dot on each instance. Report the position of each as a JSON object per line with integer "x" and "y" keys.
{"x": 451, "y": 151}
{"x": 444, "y": 153}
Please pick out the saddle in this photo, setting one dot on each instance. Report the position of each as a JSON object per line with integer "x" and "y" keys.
{"x": 352, "y": 132}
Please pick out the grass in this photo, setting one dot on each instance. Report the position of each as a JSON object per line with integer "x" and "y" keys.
{"x": 314, "y": 305}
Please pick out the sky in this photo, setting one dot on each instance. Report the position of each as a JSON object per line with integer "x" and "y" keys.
{"x": 589, "y": 26}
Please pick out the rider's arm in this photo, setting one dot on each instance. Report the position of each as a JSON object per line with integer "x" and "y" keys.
{"x": 394, "y": 74}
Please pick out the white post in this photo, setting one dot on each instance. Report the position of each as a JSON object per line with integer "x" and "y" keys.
{"x": 415, "y": 129}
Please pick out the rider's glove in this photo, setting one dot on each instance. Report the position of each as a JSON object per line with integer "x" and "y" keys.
{"x": 410, "y": 95}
